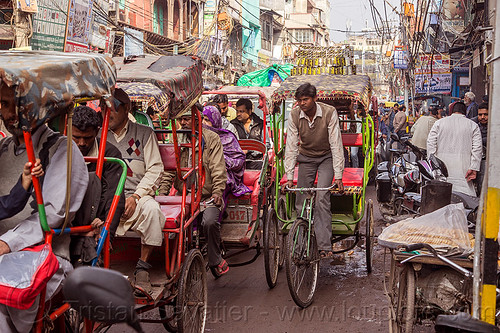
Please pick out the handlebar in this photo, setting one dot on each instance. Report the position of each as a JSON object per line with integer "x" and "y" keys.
{"x": 418, "y": 246}
{"x": 332, "y": 188}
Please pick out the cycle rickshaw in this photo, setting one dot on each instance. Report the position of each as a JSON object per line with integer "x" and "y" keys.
{"x": 245, "y": 222}
{"x": 293, "y": 236}
{"x": 47, "y": 85}
{"x": 171, "y": 85}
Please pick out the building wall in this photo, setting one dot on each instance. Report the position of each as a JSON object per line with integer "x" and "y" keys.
{"x": 251, "y": 41}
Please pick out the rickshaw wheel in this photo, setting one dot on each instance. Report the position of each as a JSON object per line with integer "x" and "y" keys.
{"x": 301, "y": 263}
{"x": 282, "y": 237}
{"x": 405, "y": 305}
{"x": 167, "y": 311}
{"x": 369, "y": 236}
{"x": 271, "y": 248}
{"x": 191, "y": 305}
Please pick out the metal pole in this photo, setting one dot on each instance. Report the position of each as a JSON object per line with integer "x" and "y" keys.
{"x": 491, "y": 208}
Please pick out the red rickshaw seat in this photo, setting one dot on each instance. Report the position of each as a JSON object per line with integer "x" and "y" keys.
{"x": 351, "y": 177}
{"x": 352, "y": 139}
{"x": 171, "y": 208}
{"x": 251, "y": 180}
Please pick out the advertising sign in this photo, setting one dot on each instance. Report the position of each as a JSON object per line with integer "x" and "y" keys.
{"x": 99, "y": 25}
{"x": 439, "y": 83}
{"x": 79, "y": 19}
{"x": 28, "y": 6}
{"x": 440, "y": 64}
{"x": 49, "y": 25}
{"x": 400, "y": 59}
{"x": 133, "y": 43}
{"x": 453, "y": 15}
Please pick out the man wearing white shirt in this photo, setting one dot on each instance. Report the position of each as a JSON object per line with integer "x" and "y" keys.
{"x": 456, "y": 140}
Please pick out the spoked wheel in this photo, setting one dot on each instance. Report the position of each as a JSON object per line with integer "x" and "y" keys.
{"x": 405, "y": 303}
{"x": 282, "y": 236}
{"x": 271, "y": 248}
{"x": 369, "y": 235}
{"x": 302, "y": 263}
{"x": 168, "y": 312}
{"x": 191, "y": 305}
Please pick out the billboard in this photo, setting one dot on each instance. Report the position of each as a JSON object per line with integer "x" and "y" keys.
{"x": 440, "y": 64}
{"x": 99, "y": 25}
{"x": 78, "y": 32}
{"x": 453, "y": 15}
{"x": 49, "y": 25}
{"x": 438, "y": 83}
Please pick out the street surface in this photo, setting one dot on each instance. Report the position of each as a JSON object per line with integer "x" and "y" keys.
{"x": 347, "y": 299}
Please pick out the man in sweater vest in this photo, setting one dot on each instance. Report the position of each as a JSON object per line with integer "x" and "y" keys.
{"x": 139, "y": 148}
{"x": 315, "y": 142}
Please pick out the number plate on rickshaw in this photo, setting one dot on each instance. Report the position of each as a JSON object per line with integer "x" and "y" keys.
{"x": 238, "y": 214}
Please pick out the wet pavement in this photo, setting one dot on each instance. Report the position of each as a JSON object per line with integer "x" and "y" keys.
{"x": 347, "y": 299}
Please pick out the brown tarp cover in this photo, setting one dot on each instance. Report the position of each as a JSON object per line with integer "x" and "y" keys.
{"x": 179, "y": 76}
{"x": 46, "y": 83}
{"x": 353, "y": 87}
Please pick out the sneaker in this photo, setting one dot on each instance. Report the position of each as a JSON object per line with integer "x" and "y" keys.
{"x": 142, "y": 283}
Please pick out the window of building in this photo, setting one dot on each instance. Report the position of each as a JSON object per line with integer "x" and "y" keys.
{"x": 267, "y": 35}
{"x": 303, "y": 36}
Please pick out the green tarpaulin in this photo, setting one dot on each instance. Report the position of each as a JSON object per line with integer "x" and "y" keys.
{"x": 264, "y": 77}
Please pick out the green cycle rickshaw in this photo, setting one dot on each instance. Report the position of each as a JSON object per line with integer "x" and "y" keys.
{"x": 292, "y": 236}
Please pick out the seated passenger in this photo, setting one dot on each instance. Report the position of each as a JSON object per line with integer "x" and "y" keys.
{"x": 227, "y": 112}
{"x": 139, "y": 148}
{"x": 233, "y": 155}
{"x": 23, "y": 229}
{"x": 14, "y": 202}
{"x": 97, "y": 202}
{"x": 249, "y": 126}
{"x": 225, "y": 124}
{"x": 213, "y": 189}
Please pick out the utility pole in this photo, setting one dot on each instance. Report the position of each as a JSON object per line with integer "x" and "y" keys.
{"x": 491, "y": 195}
{"x": 22, "y": 27}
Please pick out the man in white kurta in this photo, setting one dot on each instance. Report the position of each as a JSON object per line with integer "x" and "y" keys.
{"x": 457, "y": 141}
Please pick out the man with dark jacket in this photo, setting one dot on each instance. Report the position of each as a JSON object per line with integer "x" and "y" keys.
{"x": 249, "y": 126}
{"x": 97, "y": 203}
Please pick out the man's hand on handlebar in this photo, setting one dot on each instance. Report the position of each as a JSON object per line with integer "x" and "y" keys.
{"x": 340, "y": 186}
{"x": 287, "y": 185}
{"x": 217, "y": 200}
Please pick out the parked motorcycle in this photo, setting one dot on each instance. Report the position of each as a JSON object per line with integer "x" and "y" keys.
{"x": 398, "y": 183}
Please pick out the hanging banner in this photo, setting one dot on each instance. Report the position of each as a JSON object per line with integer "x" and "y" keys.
{"x": 133, "y": 43}
{"x": 78, "y": 31}
{"x": 439, "y": 83}
{"x": 49, "y": 25}
{"x": 99, "y": 25}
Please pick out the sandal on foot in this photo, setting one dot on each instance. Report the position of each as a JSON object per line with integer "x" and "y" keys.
{"x": 324, "y": 254}
{"x": 222, "y": 268}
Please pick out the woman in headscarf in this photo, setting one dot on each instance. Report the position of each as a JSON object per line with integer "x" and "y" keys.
{"x": 233, "y": 154}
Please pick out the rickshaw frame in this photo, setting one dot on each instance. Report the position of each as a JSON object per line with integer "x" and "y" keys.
{"x": 283, "y": 205}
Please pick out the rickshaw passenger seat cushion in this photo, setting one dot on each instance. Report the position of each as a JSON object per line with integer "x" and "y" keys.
{"x": 352, "y": 139}
{"x": 351, "y": 177}
{"x": 172, "y": 214}
{"x": 172, "y": 199}
{"x": 171, "y": 208}
{"x": 167, "y": 153}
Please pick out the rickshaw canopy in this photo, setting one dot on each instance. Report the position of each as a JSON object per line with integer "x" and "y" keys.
{"x": 46, "y": 83}
{"x": 179, "y": 77}
{"x": 146, "y": 92}
{"x": 356, "y": 88}
{"x": 264, "y": 92}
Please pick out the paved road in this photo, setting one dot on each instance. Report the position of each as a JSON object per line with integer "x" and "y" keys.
{"x": 347, "y": 299}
